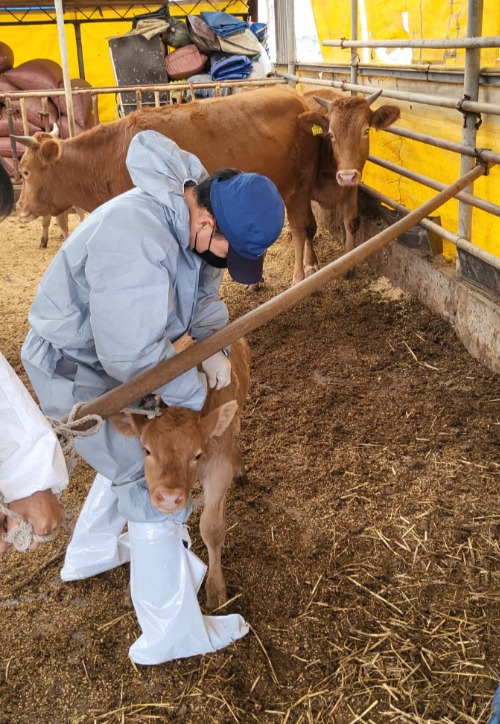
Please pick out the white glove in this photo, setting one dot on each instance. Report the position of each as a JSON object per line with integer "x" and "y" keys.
{"x": 218, "y": 370}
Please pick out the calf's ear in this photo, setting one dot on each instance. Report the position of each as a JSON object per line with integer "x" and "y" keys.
{"x": 217, "y": 421}
{"x": 127, "y": 424}
{"x": 384, "y": 116}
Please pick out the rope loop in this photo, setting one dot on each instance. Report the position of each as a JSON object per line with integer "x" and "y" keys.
{"x": 67, "y": 430}
{"x": 23, "y": 535}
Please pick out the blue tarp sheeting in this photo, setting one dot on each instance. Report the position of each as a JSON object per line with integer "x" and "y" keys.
{"x": 223, "y": 24}
{"x": 224, "y": 67}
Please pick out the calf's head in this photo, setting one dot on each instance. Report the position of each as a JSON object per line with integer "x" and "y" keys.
{"x": 38, "y": 174}
{"x": 346, "y": 122}
{"x": 175, "y": 445}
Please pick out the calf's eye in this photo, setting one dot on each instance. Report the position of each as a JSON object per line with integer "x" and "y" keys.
{"x": 198, "y": 455}
{"x": 146, "y": 451}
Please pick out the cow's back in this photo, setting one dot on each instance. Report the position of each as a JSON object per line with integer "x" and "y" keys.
{"x": 255, "y": 131}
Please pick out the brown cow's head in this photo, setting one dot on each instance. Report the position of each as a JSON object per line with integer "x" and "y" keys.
{"x": 346, "y": 122}
{"x": 174, "y": 447}
{"x": 42, "y": 152}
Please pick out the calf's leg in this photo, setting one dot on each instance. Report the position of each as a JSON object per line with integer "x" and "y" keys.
{"x": 216, "y": 480}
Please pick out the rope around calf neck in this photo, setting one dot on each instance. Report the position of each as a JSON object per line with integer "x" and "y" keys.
{"x": 23, "y": 535}
{"x": 67, "y": 430}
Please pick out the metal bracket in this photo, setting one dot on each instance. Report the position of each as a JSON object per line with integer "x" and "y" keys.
{"x": 477, "y": 155}
{"x": 469, "y": 113}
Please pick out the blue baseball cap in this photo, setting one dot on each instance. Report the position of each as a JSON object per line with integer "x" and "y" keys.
{"x": 250, "y": 213}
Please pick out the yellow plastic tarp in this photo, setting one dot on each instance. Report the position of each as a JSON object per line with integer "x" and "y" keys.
{"x": 421, "y": 19}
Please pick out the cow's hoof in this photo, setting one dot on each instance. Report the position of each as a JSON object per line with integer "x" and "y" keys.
{"x": 240, "y": 480}
{"x": 310, "y": 270}
{"x": 252, "y": 288}
{"x": 216, "y": 598}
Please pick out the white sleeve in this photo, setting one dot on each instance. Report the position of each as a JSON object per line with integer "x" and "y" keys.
{"x": 31, "y": 458}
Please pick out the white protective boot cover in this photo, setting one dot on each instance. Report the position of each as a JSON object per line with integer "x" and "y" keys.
{"x": 165, "y": 577}
{"x": 96, "y": 545}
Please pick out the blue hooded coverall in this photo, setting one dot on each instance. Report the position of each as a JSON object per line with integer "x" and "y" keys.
{"x": 120, "y": 290}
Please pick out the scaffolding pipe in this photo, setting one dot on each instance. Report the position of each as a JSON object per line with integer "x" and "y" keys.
{"x": 354, "y": 36}
{"x": 455, "y": 239}
{"x": 491, "y": 41}
{"x": 123, "y": 396}
{"x": 15, "y": 95}
{"x": 440, "y": 101}
{"x": 290, "y": 39}
{"x": 426, "y": 223}
{"x": 471, "y": 92}
{"x": 437, "y": 186}
{"x": 65, "y": 66}
{"x": 483, "y": 154}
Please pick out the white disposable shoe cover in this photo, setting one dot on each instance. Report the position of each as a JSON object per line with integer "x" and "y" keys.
{"x": 165, "y": 577}
{"x": 96, "y": 545}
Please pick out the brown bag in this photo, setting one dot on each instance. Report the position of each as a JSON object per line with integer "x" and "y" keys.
{"x": 202, "y": 35}
{"x": 184, "y": 62}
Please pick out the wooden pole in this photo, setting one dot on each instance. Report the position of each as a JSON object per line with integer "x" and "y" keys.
{"x": 147, "y": 382}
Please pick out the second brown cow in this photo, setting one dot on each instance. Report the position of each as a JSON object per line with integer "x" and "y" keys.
{"x": 182, "y": 447}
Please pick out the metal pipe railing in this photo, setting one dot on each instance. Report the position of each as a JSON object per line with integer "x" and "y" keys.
{"x": 455, "y": 239}
{"x": 492, "y": 41}
{"x": 483, "y": 154}
{"x": 436, "y": 185}
{"x": 440, "y": 101}
{"x": 15, "y": 95}
{"x": 127, "y": 393}
{"x": 471, "y": 92}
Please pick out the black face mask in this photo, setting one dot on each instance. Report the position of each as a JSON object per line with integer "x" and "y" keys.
{"x": 218, "y": 262}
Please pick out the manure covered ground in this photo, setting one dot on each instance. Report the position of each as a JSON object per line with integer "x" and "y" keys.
{"x": 364, "y": 550}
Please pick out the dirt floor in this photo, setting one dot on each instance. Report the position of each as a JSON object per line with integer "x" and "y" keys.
{"x": 364, "y": 550}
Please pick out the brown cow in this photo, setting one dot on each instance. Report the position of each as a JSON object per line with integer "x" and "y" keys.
{"x": 268, "y": 130}
{"x": 182, "y": 446}
{"x": 254, "y": 131}
{"x": 343, "y": 125}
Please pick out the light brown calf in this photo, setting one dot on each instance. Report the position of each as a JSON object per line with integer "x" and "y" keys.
{"x": 182, "y": 447}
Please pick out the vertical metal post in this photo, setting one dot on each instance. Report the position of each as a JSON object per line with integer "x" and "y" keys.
{"x": 290, "y": 40}
{"x": 65, "y": 66}
{"x": 471, "y": 92}
{"x": 79, "y": 51}
{"x": 354, "y": 36}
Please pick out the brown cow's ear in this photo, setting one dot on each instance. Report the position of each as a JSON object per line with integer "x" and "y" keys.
{"x": 128, "y": 424}
{"x": 310, "y": 120}
{"x": 384, "y": 116}
{"x": 217, "y": 421}
{"x": 50, "y": 149}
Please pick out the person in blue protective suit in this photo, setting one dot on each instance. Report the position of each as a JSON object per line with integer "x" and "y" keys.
{"x": 137, "y": 274}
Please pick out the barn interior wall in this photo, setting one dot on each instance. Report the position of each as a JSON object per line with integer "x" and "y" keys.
{"x": 405, "y": 19}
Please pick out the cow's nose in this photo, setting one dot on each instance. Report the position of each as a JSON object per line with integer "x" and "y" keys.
{"x": 348, "y": 177}
{"x": 169, "y": 499}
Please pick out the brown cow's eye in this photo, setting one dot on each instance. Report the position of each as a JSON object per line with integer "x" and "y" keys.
{"x": 146, "y": 451}
{"x": 198, "y": 455}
